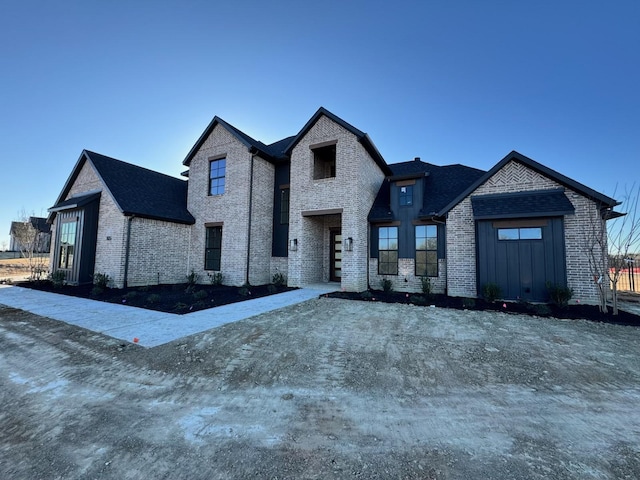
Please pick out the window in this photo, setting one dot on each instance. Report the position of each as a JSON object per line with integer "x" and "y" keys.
{"x": 426, "y": 250}
{"x": 67, "y": 244}
{"x": 528, "y": 233}
{"x": 406, "y": 195}
{"x": 324, "y": 162}
{"x": 388, "y": 250}
{"x": 284, "y": 206}
{"x": 217, "y": 170}
{"x": 213, "y": 248}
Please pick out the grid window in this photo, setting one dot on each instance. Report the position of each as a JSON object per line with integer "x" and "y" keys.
{"x": 405, "y": 196}
{"x": 213, "y": 248}
{"x": 67, "y": 244}
{"x": 217, "y": 169}
{"x": 284, "y": 206}
{"x": 388, "y": 250}
{"x": 426, "y": 251}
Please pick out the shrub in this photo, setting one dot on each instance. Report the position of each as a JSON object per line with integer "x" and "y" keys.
{"x": 192, "y": 278}
{"x": 541, "y": 309}
{"x": 96, "y": 291}
{"x": 468, "y": 303}
{"x": 244, "y": 291}
{"x": 57, "y": 278}
{"x": 279, "y": 280}
{"x": 215, "y": 278}
{"x": 426, "y": 285}
{"x": 101, "y": 280}
{"x": 153, "y": 298}
{"x": 366, "y": 295}
{"x": 200, "y": 295}
{"x": 387, "y": 285}
{"x": 272, "y": 289}
{"x": 491, "y": 292}
{"x": 559, "y": 295}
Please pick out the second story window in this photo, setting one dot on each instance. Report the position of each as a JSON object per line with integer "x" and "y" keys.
{"x": 324, "y": 162}
{"x": 284, "y": 206}
{"x": 217, "y": 169}
{"x": 405, "y": 195}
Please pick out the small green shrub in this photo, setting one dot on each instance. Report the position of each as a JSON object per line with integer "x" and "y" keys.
{"x": 200, "y": 295}
{"x": 153, "y": 298}
{"x": 387, "y": 285}
{"x": 418, "y": 299}
{"x": 279, "y": 280}
{"x": 426, "y": 285}
{"x": 468, "y": 303}
{"x": 272, "y": 289}
{"x": 559, "y": 295}
{"x": 101, "y": 280}
{"x": 541, "y": 309}
{"x": 491, "y": 292}
{"x": 244, "y": 291}
{"x": 192, "y": 278}
{"x": 215, "y": 278}
{"x": 366, "y": 295}
{"x": 57, "y": 278}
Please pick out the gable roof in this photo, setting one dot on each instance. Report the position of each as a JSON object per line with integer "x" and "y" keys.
{"x": 605, "y": 201}
{"x": 272, "y": 152}
{"x": 39, "y": 224}
{"x": 362, "y": 137}
{"x": 441, "y": 185}
{"x": 137, "y": 191}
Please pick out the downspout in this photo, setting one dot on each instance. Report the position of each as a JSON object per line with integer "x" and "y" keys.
{"x": 126, "y": 250}
{"x": 253, "y": 152}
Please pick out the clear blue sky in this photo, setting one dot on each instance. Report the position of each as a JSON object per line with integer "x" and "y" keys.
{"x": 449, "y": 81}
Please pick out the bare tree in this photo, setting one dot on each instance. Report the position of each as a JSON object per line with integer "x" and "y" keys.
{"x": 595, "y": 247}
{"x": 623, "y": 239}
{"x": 29, "y": 239}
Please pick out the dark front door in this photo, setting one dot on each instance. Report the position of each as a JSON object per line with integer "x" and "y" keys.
{"x": 335, "y": 268}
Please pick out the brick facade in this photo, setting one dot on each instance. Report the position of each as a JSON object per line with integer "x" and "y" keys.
{"x": 516, "y": 177}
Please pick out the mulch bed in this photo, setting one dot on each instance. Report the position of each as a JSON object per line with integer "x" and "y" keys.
{"x": 179, "y": 298}
{"x": 573, "y": 311}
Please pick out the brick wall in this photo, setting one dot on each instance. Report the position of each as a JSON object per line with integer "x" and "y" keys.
{"x": 515, "y": 177}
{"x": 353, "y": 190}
{"x": 406, "y": 270}
{"x": 261, "y": 222}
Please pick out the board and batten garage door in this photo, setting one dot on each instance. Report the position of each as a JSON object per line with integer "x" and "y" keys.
{"x": 521, "y": 256}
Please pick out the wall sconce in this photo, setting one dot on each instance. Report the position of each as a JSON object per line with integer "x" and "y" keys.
{"x": 348, "y": 244}
{"x": 293, "y": 244}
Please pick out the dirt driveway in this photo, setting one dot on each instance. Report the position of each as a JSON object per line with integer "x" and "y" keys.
{"x": 325, "y": 389}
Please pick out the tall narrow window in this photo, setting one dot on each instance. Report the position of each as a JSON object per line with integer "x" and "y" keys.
{"x": 217, "y": 169}
{"x": 405, "y": 196}
{"x": 213, "y": 248}
{"x": 284, "y": 206}
{"x": 388, "y": 250}
{"x": 426, "y": 250}
{"x": 67, "y": 244}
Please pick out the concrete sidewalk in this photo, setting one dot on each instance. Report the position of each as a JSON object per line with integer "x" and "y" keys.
{"x": 150, "y": 327}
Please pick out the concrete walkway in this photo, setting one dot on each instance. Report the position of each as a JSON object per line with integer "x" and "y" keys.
{"x": 151, "y": 328}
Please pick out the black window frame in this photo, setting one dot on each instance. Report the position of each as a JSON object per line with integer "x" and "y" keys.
{"x": 220, "y": 176}
{"x": 285, "y": 197}
{"x": 213, "y": 248}
{"x": 430, "y": 249}
{"x": 405, "y": 199}
{"x": 519, "y": 230}
{"x": 386, "y": 255}
{"x": 67, "y": 243}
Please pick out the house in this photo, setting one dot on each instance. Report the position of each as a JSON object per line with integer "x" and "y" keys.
{"x": 324, "y": 205}
{"x": 34, "y": 235}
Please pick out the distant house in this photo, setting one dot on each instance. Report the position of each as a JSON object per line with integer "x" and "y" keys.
{"x": 324, "y": 206}
{"x": 33, "y": 235}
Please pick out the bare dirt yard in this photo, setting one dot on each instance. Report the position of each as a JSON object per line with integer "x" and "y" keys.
{"x": 325, "y": 389}
{"x": 14, "y": 269}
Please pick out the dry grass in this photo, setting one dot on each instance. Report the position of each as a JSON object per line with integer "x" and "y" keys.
{"x": 16, "y": 268}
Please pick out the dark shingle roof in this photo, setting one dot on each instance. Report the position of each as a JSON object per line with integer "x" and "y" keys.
{"x": 136, "y": 190}
{"x": 442, "y": 184}
{"x": 540, "y": 203}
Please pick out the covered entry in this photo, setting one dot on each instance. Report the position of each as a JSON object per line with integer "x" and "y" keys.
{"x": 520, "y": 242}
{"x": 320, "y": 246}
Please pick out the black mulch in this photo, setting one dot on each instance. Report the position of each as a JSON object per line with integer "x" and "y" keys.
{"x": 572, "y": 311}
{"x": 180, "y": 298}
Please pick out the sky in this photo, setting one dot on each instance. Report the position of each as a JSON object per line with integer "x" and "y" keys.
{"x": 449, "y": 81}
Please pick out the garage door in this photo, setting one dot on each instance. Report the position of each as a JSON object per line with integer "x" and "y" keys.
{"x": 521, "y": 256}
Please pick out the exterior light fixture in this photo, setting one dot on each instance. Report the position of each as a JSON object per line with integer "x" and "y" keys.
{"x": 348, "y": 244}
{"x": 293, "y": 244}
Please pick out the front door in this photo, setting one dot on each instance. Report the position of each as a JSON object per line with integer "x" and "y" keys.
{"x": 335, "y": 268}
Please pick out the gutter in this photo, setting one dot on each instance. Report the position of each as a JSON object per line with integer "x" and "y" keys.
{"x": 253, "y": 152}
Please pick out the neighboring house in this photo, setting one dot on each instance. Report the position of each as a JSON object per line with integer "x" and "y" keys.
{"x": 34, "y": 235}
{"x": 321, "y": 206}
